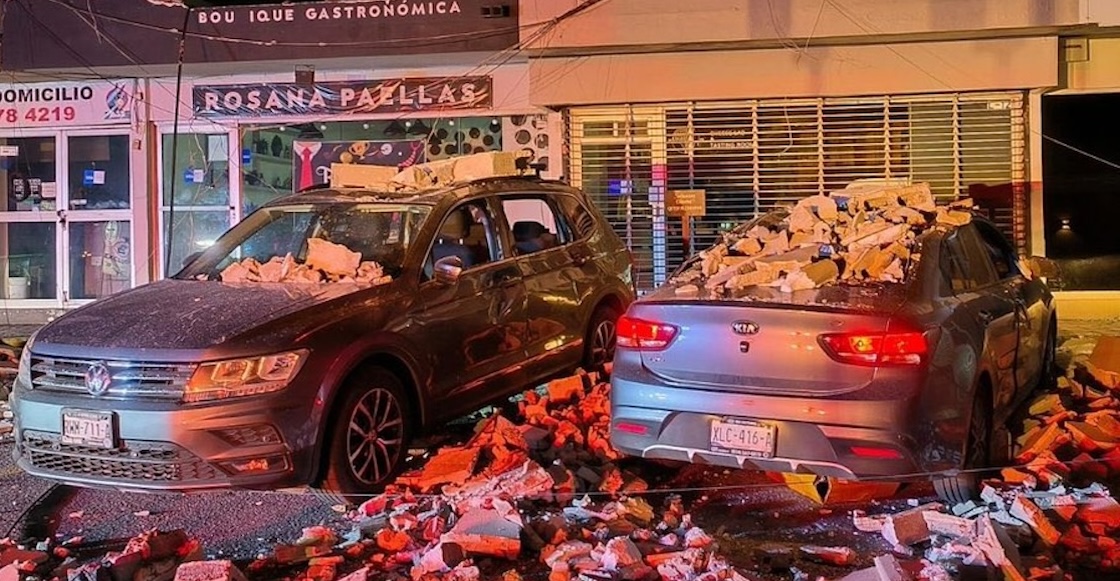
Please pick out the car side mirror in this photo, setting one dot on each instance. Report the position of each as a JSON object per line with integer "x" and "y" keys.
{"x": 448, "y": 269}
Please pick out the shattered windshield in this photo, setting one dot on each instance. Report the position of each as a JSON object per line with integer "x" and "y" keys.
{"x": 335, "y": 242}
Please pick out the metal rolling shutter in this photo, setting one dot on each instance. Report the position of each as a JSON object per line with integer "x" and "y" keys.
{"x": 752, "y": 156}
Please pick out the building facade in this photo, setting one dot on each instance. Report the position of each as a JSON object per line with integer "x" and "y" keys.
{"x": 113, "y": 181}
{"x": 761, "y": 103}
{"x": 115, "y": 168}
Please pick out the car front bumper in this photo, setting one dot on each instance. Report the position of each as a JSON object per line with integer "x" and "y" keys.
{"x": 162, "y": 447}
{"x": 812, "y": 435}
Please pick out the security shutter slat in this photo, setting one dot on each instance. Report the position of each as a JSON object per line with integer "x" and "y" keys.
{"x": 753, "y": 156}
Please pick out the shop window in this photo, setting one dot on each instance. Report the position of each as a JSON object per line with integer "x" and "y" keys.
{"x": 278, "y": 161}
{"x": 30, "y": 259}
{"x": 98, "y": 172}
{"x": 200, "y": 186}
{"x": 100, "y": 259}
{"x": 28, "y": 168}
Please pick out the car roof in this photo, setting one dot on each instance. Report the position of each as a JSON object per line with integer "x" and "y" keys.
{"x": 426, "y": 196}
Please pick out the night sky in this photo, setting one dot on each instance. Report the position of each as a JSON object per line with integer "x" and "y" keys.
{"x": 1076, "y": 186}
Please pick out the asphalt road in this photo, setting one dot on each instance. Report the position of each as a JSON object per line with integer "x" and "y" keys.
{"x": 238, "y": 525}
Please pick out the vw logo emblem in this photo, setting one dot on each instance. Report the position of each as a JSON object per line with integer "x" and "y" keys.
{"x": 745, "y": 327}
{"x": 98, "y": 378}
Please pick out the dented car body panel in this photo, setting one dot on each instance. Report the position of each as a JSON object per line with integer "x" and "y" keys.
{"x": 515, "y": 318}
{"x": 760, "y": 364}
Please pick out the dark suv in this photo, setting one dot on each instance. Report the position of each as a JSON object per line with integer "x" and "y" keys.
{"x": 260, "y": 365}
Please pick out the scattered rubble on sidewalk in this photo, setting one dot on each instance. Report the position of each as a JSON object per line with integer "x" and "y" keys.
{"x": 864, "y": 233}
{"x": 326, "y": 262}
{"x": 543, "y": 494}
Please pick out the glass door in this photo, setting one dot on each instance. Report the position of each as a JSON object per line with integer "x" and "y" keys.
{"x": 196, "y": 202}
{"x": 97, "y": 228}
{"x": 29, "y": 222}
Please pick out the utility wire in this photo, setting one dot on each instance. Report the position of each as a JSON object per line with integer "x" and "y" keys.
{"x": 175, "y": 140}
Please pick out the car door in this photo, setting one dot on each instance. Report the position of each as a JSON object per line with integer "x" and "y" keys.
{"x": 473, "y": 329}
{"x": 992, "y": 304}
{"x": 543, "y": 244}
{"x": 1033, "y": 312}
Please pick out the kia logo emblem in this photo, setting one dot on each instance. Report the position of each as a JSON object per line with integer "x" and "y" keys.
{"x": 98, "y": 378}
{"x": 745, "y": 327}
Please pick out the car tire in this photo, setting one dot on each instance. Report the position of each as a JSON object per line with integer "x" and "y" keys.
{"x": 602, "y": 335}
{"x": 965, "y": 485}
{"x": 370, "y": 436}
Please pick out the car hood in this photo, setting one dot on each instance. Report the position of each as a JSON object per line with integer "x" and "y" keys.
{"x": 182, "y": 315}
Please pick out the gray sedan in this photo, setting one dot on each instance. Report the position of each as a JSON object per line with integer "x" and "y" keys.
{"x": 876, "y": 380}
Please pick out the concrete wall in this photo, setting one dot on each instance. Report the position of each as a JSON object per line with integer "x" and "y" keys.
{"x": 663, "y": 23}
{"x": 1101, "y": 71}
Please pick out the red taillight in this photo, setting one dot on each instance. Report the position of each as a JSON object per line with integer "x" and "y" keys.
{"x": 640, "y": 334}
{"x": 876, "y": 348}
{"x": 629, "y": 428}
{"x": 876, "y": 453}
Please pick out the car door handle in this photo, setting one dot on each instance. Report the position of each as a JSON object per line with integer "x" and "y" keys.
{"x": 579, "y": 258}
{"x": 986, "y": 316}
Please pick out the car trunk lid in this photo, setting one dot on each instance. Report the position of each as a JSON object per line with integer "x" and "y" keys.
{"x": 767, "y": 343}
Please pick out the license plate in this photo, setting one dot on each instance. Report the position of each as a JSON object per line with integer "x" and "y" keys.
{"x": 85, "y": 428}
{"x": 743, "y": 438}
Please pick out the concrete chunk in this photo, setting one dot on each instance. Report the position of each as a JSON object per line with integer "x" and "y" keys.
{"x": 209, "y": 571}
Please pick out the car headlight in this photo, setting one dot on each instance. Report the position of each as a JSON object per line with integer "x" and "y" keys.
{"x": 241, "y": 377}
{"x": 23, "y": 374}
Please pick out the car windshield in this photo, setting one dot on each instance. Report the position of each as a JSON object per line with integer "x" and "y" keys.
{"x": 323, "y": 239}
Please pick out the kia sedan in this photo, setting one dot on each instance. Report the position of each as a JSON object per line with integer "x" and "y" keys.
{"x": 312, "y": 341}
{"x": 868, "y": 381}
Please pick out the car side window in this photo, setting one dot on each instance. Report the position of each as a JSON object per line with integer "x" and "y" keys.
{"x": 468, "y": 232}
{"x": 968, "y": 266}
{"x": 535, "y": 224}
{"x": 954, "y": 267}
{"x": 578, "y": 216}
{"x": 999, "y": 250}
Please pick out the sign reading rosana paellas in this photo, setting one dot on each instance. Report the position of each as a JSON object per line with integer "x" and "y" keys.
{"x": 344, "y": 97}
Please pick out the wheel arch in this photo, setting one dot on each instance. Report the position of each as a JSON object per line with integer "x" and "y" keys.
{"x": 385, "y": 356}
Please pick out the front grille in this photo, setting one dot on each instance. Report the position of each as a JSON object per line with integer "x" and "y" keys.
{"x": 136, "y": 461}
{"x": 165, "y": 381}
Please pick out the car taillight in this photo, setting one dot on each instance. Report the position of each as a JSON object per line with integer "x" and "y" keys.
{"x": 876, "y": 348}
{"x": 640, "y": 334}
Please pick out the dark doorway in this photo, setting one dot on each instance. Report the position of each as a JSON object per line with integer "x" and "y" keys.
{"x": 1080, "y": 191}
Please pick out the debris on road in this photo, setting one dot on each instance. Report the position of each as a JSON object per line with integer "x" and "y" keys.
{"x": 544, "y": 494}
{"x": 6, "y": 420}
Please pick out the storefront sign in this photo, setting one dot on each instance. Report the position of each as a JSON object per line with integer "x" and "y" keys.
{"x": 48, "y": 34}
{"x": 705, "y": 139}
{"x": 344, "y": 97}
{"x": 685, "y": 203}
{"x": 54, "y": 104}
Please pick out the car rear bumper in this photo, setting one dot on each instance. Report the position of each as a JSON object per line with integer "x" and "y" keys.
{"x": 184, "y": 449}
{"x": 839, "y": 438}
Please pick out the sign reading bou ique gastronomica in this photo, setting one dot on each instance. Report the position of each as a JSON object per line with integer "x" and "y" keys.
{"x": 343, "y": 97}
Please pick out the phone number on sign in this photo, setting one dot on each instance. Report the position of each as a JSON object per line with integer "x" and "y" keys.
{"x": 37, "y": 114}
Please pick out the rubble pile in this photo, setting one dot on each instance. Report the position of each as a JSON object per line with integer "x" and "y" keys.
{"x": 151, "y": 555}
{"x": 546, "y": 489}
{"x": 326, "y": 262}
{"x": 863, "y": 233}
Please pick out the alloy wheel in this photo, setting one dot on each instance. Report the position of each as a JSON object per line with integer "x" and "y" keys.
{"x": 603, "y": 342}
{"x": 375, "y": 436}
